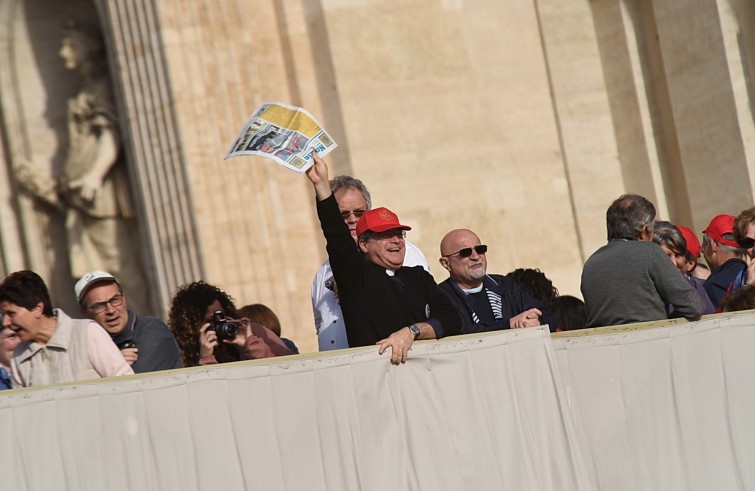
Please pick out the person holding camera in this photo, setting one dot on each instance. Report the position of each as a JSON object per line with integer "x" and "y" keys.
{"x": 208, "y": 330}
{"x": 145, "y": 341}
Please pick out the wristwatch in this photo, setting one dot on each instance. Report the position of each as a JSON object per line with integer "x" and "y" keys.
{"x": 414, "y": 329}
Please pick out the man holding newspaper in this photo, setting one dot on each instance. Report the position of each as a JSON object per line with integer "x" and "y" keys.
{"x": 383, "y": 302}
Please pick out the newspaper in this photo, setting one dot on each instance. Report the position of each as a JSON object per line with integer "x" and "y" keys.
{"x": 286, "y": 134}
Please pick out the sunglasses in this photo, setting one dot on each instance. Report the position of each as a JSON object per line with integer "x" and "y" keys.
{"x": 467, "y": 251}
{"x": 357, "y": 214}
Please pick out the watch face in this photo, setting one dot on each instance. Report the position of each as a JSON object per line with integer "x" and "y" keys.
{"x": 414, "y": 329}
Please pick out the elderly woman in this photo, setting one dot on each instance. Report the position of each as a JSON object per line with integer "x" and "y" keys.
{"x": 197, "y": 315}
{"x": 670, "y": 238}
{"x": 54, "y": 348}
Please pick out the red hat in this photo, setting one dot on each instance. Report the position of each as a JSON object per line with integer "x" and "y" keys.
{"x": 693, "y": 243}
{"x": 720, "y": 225}
{"x": 379, "y": 220}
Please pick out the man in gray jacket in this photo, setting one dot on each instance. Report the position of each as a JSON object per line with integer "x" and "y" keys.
{"x": 631, "y": 279}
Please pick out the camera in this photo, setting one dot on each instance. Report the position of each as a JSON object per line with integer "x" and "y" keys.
{"x": 225, "y": 329}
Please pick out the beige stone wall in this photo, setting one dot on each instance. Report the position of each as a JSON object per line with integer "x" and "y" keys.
{"x": 521, "y": 119}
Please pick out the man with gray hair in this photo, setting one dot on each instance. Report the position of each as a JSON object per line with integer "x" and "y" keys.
{"x": 353, "y": 200}
{"x": 724, "y": 256}
{"x": 630, "y": 279}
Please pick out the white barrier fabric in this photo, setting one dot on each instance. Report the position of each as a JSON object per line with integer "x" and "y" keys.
{"x": 631, "y": 408}
{"x": 666, "y": 408}
{"x": 465, "y": 413}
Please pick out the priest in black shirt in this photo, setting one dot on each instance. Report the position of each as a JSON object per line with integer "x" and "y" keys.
{"x": 383, "y": 302}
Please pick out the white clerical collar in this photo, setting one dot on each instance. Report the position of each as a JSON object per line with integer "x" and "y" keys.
{"x": 470, "y": 291}
{"x": 390, "y": 272}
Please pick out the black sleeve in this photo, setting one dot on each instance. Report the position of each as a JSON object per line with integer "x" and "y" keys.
{"x": 522, "y": 301}
{"x": 345, "y": 257}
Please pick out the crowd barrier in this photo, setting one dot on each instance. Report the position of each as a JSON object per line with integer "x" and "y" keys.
{"x": 660, "y": 406}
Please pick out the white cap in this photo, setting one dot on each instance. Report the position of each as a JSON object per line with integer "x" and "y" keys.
{"x": 90, "y": 279}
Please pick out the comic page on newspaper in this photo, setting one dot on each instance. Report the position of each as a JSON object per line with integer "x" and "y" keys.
{"x": 286, "y": 134}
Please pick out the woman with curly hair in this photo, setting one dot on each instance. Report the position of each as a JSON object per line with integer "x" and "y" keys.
{"x": 192, "y": 311}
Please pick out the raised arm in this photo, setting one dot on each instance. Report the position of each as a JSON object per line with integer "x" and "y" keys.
{"x": 318, "y": 175}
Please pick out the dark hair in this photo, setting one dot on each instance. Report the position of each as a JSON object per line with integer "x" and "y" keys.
{"x": 743, "y": 299}
{"x": 534, "y": 282}
{"x": 627, "y": 216}
{"x": 570, "y": 313}
{"x": 668, "y": 234}
{"x": 347, "y": 182}
{"x": 262, "y": 315}
{"x": 187, "y": 314}
{"x": 26, "y": 289}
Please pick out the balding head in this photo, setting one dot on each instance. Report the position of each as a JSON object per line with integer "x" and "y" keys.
{"x": 466, "y": 270}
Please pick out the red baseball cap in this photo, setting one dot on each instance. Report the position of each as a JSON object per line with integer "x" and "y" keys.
{"x": 720, "y": 225}
{"x": 693, "y": 243}
{"x": 379, "y": 220}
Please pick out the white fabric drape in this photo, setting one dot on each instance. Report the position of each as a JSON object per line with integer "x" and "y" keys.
{"x": 628, "y": 408}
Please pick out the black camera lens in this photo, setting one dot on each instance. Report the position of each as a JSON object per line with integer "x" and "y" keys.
{"x": 225, "y": 329}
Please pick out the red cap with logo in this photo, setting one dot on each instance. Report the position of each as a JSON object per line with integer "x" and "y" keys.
{"x": 720, "y": 225}
{"x": 379, "y": 220}
{"x": 693, "y": 243}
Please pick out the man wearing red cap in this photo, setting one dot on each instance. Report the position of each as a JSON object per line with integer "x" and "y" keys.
{"x": 724, "y": 256}
{"x": 382, "y": 302}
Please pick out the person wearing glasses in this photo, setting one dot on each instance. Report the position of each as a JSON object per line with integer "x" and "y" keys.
{"x": 485, "y": 302}
{"x": 383, "y": 302}
{"x": 54, "y": 348}
{"x": 353, "y": 200}
{"x": 145, "y": 342}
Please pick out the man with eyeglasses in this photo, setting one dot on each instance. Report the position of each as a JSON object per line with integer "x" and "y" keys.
{"x": 383, "y": 302}
{"x": 485, "y": 302}
{"x": 146, "y": 342}
{"x": 353, "y": 200}
{"x": 54, "y": 348}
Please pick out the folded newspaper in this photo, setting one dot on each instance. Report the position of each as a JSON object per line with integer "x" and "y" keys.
{"x": 286, "y": 134}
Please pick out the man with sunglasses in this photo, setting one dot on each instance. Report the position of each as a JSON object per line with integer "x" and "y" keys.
{"x": 146, "y": 342}
{"x": 485, "y": 302}
{"x": 353, "y": 200}
{"x": 383, "y": 302}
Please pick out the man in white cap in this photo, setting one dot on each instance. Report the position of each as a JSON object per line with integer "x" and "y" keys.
{"x": 145, "y": 342}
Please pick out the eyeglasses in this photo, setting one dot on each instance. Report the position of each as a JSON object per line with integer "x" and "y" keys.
{"x": 389, "y": 234}
{"x": 115, "y": 301}
{"x": 357, "y": 214}
{"x": 467, "y": 251}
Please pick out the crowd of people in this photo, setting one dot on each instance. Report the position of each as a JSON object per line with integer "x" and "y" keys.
{"x": 376, "y": 289}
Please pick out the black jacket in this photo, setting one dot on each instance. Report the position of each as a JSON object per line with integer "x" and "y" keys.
{"x": 374, "y": 304}
{"x": 514, "y": 301}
